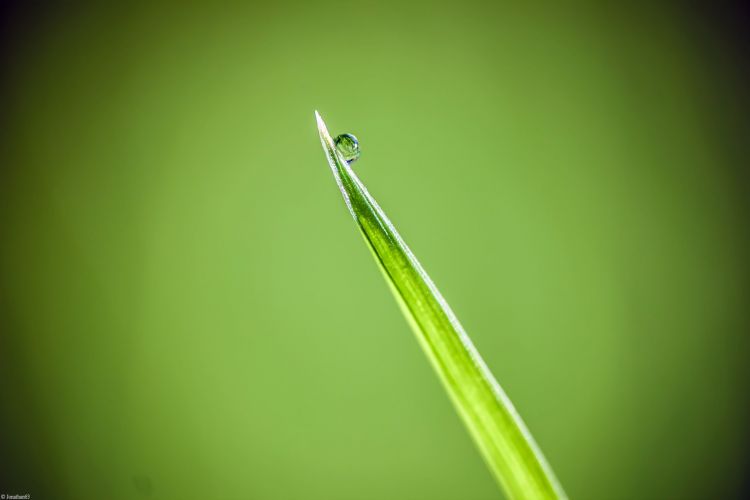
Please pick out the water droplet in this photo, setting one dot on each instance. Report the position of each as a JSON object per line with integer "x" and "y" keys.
{"x": 348, "y": 146}
{"x": 143, "y": 485}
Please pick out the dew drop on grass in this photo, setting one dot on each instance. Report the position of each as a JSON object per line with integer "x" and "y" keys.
{"x": 143, "y": 485}
{"x": 348, "y": 146}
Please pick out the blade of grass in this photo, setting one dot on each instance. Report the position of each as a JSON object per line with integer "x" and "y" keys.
{"x": 503, "y": 440}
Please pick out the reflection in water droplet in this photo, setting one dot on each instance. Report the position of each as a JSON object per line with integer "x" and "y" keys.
{"x": 348, "y": 146}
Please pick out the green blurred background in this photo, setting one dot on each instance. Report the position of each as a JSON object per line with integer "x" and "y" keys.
{"x": 187, "y": 310}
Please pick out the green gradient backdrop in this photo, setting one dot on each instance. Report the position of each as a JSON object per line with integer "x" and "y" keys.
{"x": 189, "y": 312}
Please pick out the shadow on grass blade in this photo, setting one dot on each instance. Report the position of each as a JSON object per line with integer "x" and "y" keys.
{"x": 505, "y": 443}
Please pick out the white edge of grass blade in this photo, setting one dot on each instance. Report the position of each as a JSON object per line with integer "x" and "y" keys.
{"x": 501, "y": 436}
